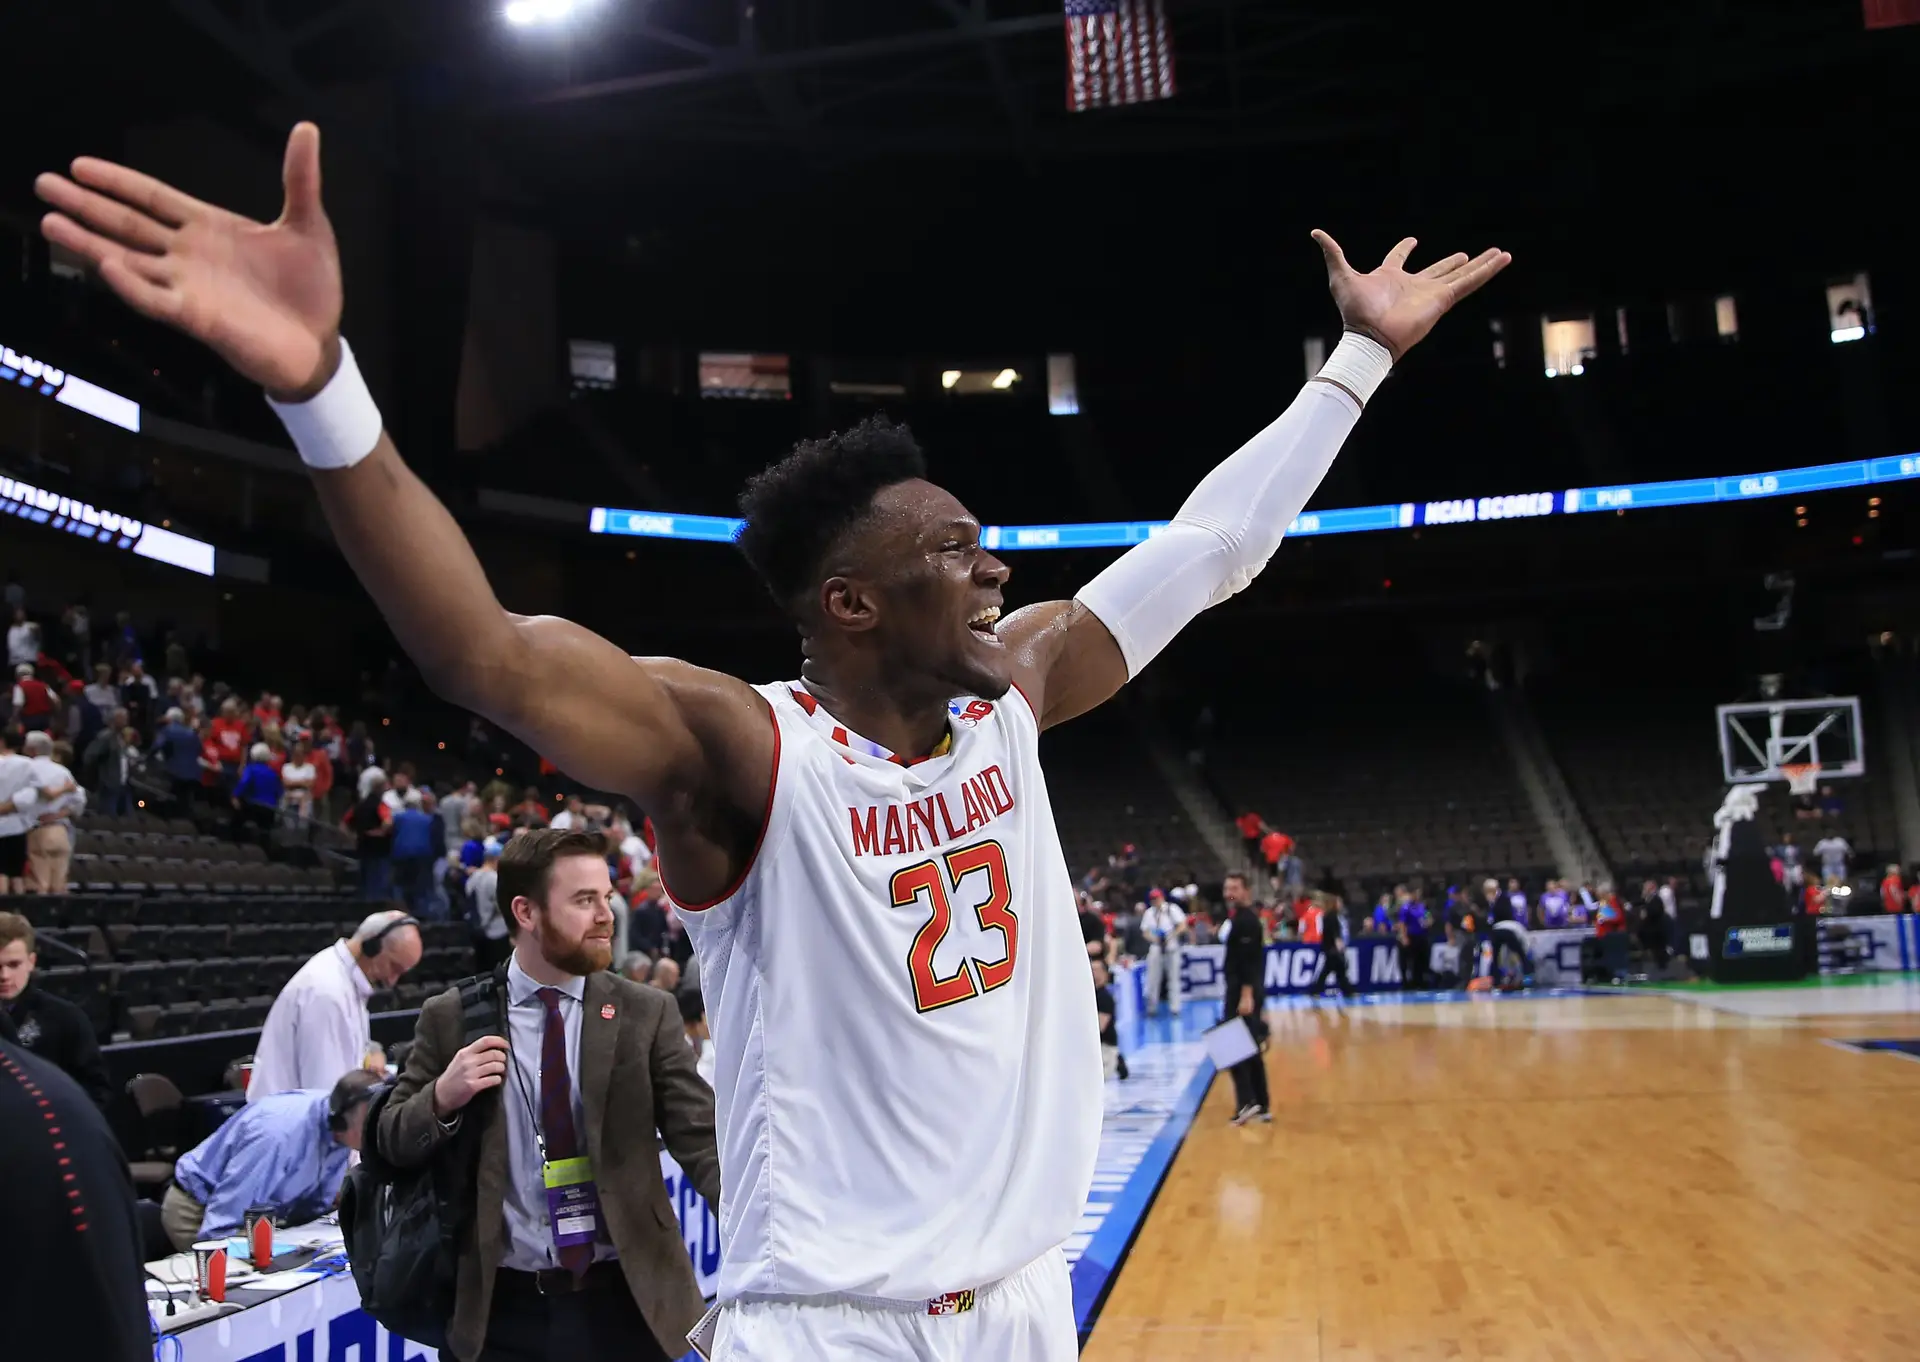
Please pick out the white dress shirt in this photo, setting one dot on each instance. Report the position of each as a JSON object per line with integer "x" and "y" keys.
{"x": 318, "y": 1029}
{"x": 529, "y": 1231}
{"x": 16, "y": 774}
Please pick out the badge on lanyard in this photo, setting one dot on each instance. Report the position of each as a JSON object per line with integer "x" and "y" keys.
{"x": 573, "y": 1202}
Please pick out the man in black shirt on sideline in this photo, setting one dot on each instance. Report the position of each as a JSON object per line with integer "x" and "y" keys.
{"x": 71, "y": 1284}
{"x": 1245, "y": 971}
{"x": 49, "y": 1026}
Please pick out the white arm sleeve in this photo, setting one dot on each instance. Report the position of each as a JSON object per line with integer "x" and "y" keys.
{"x": 1234, "y": 520}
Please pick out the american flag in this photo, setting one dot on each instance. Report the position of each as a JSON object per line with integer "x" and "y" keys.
{"x": 1118, "y": 52}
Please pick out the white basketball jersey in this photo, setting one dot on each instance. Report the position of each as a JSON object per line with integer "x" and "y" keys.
{"x": 908, "y": 1088}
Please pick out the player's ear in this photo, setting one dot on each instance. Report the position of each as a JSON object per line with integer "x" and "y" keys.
{"x": 848, "y": 604}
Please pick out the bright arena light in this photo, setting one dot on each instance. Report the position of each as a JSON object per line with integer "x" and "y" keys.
{"x": 526, "y": 13}
{"x": 1005, "y": 379}
{"x": 949, "y": 378}
{"x": 1849, "y": 333}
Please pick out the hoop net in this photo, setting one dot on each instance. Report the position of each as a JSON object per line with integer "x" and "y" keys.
{"x": 1802, "y": 777}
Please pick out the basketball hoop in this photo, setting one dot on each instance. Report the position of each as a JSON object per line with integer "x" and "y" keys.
{"x": 1802, "y": 777}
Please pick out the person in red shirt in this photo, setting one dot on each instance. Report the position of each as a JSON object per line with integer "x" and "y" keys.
{"x": 322, "y": 777}
{"x": 211, "y": 764}
{"x": 1251, "y": 826}
{"x": 231, "y": 731}
{"x": 33, "y": 699}
{"x": 1311, "y": 917}
{"x": 1893, "y": 897}
{"x": 267, "y": 711}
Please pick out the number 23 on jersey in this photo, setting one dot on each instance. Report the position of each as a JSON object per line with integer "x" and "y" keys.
{"x": 929, "y": 879}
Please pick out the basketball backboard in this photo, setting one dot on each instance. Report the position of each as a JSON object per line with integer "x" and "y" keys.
{"x": 1759, "y": 739}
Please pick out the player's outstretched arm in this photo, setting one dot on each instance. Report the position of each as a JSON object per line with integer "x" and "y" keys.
{"x": 267, "y": 298}
{"x": 1072, "y": 655}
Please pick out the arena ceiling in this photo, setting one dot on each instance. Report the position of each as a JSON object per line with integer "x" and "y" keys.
{"x": 641, "y": 91}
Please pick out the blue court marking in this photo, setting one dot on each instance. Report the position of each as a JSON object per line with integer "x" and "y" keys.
{"x": 1905, "y": 1049}
{"x": 1146, "y": 1121}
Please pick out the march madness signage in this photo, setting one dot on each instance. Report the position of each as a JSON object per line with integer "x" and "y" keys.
{"x": 1291, "y": 965}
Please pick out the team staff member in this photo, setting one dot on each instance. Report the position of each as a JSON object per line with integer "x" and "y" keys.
{"x": 591, "y": 1066}
{"x": 51, "y": 1027}
{"x": 289, "y": 1151}
{"x": 1246, "y": 978}
{"x": 318, "y": 1027}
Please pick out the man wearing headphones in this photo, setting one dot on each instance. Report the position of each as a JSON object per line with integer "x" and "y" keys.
{"x": 289, "y": 1151}
{"x": 319, "y": 1027}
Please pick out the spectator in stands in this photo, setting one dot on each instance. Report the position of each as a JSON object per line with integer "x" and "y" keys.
{"x": 693, "y": 1019}
{"x": 398, "y": 788}
{"x": 70, "y": 1256}
{"x": 1833, "y": 851}
{"x": 570, "y": 815}
{"x": 43, "y": 1022}
{"x": 1093, "y": 926}
{"x": 1831, "y": 805}
{"x": 1125, "y": 864}
{"x": 34, "y": 703}
{"x": 373, "y": 836}
{"x": 289, "y": 1151}
{"x": 174, "y": 657}
{"x": 230, "y": 732}
{"x": 646, "y": 916}
{"x": 296, "y": 782}
{"x": 18, "y": 796}
{"x": 101, "y": 693}
{"x": 492, "y": 945}
{"x": 413, "y": 850}
{"x": 1893, "y": 895}
{"x": 180, "y": 751}
{"x": 359, "y": 748}
{"x": 106, "y": 763}
{"x": 123, "y": 644}
{"x": 323, "y": 780}
{"x": 456, "y": 808}
{"x": 50, "y": 840}
{"x": 256, "y": 795}
{"x": 319, "y": 1023}
{"x": 665, "y": 974}
{"x": 1245, "y": 972}
{"x": 638, "y": 968}
{"x": 139, "y": 695}
{"x": 529, "y": 812}
{"x": 1252, "y": 828}
{"x": 1275, "y": 847}
{"x": 23, "y": 641}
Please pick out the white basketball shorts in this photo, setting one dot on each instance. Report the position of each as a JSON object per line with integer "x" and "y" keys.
{"x": 1027, "y": 1317}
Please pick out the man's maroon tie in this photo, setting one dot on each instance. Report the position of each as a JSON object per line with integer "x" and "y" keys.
{"x": 556, "y": 1111}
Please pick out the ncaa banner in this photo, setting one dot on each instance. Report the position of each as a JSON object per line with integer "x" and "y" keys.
{"x": 321, "y": 1322}
{"x": 698, "y": 1229}
{"x": 1372, "y": 965}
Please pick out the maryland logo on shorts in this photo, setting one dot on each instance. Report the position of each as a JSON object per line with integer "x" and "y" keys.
{"x": 953, "y": 1303}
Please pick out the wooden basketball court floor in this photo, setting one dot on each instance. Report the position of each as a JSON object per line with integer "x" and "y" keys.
{"x": 1643, "y": 1178}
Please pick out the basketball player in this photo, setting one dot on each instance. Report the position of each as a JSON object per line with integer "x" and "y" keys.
{"x": 908, "y": 1084}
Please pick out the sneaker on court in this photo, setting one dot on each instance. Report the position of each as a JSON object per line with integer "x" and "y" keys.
{"x": 1245, "y": 1114}
{"x": 1263, "y": 1114}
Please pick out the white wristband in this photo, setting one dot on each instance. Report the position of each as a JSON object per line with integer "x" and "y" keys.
{"x": 1358, "y": 364}
{"x": 339, "y": 425}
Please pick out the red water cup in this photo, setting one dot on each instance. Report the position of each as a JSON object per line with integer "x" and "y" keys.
{"x": 262, "y": 1243}
{"x": 217, "y": 1276}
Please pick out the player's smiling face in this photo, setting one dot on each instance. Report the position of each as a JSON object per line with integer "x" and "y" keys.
{"x": 940, "y": 592}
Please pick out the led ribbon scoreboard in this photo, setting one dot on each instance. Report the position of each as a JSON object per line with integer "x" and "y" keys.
{"x": 1407, "y": 515}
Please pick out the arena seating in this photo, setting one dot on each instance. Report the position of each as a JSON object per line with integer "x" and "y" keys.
{"x": 188, "y": 934}
{"x": 1380, "y": 778}
{"x": 1105, "y": 792}
{"x": 1642, "y": 757}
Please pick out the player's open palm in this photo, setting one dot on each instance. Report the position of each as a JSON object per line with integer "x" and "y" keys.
{"x": 265, "y": 296}
{"x": 1394, "y": 307}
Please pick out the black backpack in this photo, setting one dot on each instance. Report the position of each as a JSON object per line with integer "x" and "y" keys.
{"x": 403, "y": 1226}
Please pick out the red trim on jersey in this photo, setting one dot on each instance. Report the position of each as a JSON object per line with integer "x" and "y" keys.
{"x": 766, "y": 819}
{"x": 1032, "y": 708}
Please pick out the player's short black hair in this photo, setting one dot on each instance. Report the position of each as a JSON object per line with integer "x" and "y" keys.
{"x": 798, "y": 507}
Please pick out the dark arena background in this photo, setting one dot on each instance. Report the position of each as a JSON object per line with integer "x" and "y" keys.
{"x": 1635, "y": 528}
